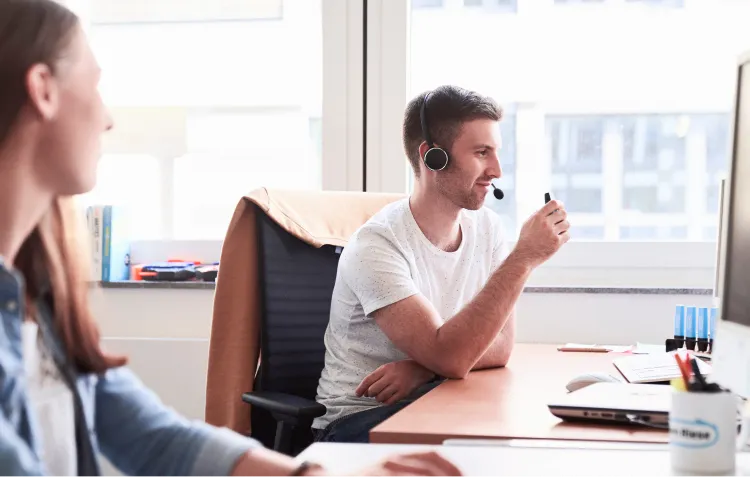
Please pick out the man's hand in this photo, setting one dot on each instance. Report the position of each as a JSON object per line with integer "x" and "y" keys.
{"x": 543, "y": 234}
{"x": 394, "y": 381}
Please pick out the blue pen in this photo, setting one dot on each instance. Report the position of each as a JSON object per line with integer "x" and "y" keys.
{"x": 690, "y": 322}
{"x": 702, "y": 329}
{"x": 712, "y": 326}
{"x": 679, "y": 326}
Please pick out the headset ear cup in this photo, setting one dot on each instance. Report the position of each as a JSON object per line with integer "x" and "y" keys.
{"x": 436, "y": 159}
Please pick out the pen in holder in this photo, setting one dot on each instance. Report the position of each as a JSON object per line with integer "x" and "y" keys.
{"x": 702, "y": 425}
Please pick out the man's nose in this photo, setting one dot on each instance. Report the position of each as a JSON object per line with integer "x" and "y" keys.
{"x": 495, "y": 170}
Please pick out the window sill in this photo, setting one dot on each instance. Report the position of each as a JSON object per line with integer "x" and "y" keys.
{"x": 160, "y": 285}
{"x": 532, "y": 289}
{"x": 621, "y": 290}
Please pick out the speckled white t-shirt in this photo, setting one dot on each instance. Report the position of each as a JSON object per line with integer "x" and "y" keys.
{"x": 387, "y": 260}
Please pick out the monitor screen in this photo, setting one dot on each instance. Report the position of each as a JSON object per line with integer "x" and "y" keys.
{"x": 736, "y": 292}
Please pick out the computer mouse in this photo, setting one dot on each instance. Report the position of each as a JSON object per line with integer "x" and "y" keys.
{"x": 583, "y": 380}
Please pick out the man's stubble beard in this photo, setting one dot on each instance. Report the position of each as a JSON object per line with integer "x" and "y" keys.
{"x": 451, "y": 189}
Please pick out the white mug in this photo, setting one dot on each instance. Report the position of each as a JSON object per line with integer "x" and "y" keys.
{"x": 703, "y": 432}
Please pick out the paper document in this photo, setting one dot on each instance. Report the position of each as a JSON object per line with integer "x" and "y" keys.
{"x": 594, "y": 348}
{"x": 642, "y": 348}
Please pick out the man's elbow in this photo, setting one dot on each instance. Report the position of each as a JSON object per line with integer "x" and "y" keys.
{"x": 454, "y": 370}
{"x": 505, "y": 356}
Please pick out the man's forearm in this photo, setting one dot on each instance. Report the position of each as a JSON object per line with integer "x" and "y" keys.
{"x": 473, "y": 330}
{"x": 500, "y": 350}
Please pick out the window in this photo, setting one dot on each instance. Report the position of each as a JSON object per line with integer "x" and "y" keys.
{"x": 655, "y": 3}
{"x": 131, "y": 181}
{"x": 659, "y": 3}
{"x": 427, "y": 3}
{"x": 493, "y": 5}
{"x": 213, "y": 99}
{"x": 576, "y": 162}
{"x": 653, "y": 233}
{"x": 506, "y": 208}
{"x": 631, "y": 132}
{"x": 215, "y": 116}
{"x": 232, "y": 153}
{"x": 573, "y": 2}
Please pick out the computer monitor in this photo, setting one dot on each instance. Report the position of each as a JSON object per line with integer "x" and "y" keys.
{"x": 731, "y": 356}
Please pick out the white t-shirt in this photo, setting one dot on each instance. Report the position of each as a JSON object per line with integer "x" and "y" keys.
{"x": 387, "y": 260}
{"x": 52, "y": 404}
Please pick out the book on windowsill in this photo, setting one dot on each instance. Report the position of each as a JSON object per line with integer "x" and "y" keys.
{"x": 108, "y": 228}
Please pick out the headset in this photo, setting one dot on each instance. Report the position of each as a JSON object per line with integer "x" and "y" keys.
{"x": 436, "y": 158}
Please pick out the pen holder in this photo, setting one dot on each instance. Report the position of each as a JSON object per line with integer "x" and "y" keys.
{"x": 703, "y": 432}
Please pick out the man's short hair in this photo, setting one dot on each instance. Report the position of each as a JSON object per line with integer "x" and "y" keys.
{"x": 448, "y": 108}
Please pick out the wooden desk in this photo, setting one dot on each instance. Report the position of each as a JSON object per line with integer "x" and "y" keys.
{"x": 508, "y": 403}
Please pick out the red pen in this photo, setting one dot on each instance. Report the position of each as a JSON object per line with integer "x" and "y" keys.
{"x": 684, "y": 370}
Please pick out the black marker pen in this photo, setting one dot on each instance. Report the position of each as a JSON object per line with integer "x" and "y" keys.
{"x": 548, "y": 198}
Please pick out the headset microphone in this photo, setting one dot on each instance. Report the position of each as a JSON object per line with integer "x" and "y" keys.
{"x": 497, "y": 192}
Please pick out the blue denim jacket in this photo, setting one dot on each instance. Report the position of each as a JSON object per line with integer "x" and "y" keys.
{"x": 115, "y": 414}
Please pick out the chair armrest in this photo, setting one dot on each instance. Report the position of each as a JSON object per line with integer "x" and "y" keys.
{"x": 286, "y": 404}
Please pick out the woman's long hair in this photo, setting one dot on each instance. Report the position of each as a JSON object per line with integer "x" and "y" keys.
{"x": 51, "y": 258}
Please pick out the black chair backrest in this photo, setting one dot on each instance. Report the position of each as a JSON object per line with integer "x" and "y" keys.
{"x": 296, "y": 282}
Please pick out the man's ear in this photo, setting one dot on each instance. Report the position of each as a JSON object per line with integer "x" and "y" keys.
{"x": 43, "y": 91}
{"x": 423, "y": 148}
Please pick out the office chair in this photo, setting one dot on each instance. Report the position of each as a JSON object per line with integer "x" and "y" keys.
{"x": 296, "y": 281}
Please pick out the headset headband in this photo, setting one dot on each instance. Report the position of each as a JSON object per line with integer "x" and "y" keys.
{"x": 423, "y": 120}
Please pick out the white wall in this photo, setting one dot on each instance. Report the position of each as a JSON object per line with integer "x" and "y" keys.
{"x": 164, "y": 333}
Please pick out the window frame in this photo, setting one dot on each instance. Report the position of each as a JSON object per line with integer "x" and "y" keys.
{"x": 369, "y": 157}
{"x": 579, "y": 263}
{"x": 342, "y": 133}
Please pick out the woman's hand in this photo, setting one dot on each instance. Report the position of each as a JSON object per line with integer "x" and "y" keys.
{"x": 420, "y": 463}
{"x": 394, "y": 381}
{"x": 262, "y": 461}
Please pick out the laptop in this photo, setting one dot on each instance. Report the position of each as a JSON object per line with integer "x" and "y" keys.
{"x": 645, "y": 404}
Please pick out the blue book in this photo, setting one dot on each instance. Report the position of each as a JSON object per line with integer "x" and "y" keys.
{"x": 115, "y": 244}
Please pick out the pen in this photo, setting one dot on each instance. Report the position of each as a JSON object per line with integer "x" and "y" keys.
{"x": 547, "y": 197}
{"x": 683, "y": 371}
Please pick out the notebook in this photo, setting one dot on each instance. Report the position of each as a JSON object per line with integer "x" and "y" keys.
{"x": 653, "y": 368}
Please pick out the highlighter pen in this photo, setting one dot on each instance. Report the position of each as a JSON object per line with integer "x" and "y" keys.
{"x": 679, "y": 326}
{"x": 690, "y": 322}
{"x": 712, "y": 328}
{"x": 702, "y": 329}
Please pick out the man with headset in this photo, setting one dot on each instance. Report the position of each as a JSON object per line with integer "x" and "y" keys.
{"x": 426, "y": 289}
